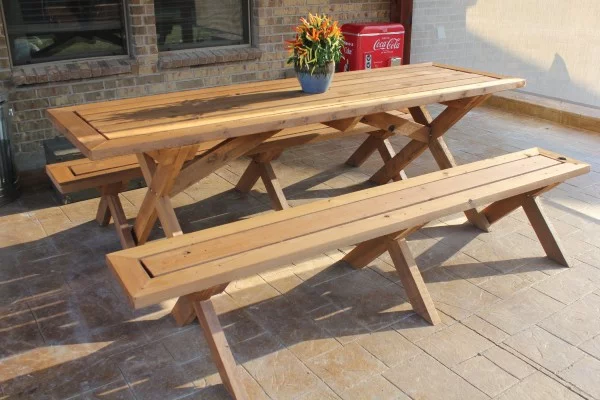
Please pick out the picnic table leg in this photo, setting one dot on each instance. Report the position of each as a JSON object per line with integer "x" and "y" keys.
{"x": 375, "y": 142}
{"x": 217, "y": 342}
{"x": 438, "y": 127}
{"x": 540, "y": 223}
{"x": 412, "y": 281}
{"x": 160, "y": 178}
{"x": 261, "y": 167}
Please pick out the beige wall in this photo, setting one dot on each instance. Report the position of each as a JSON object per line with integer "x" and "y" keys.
{"x": 554, "y": 44}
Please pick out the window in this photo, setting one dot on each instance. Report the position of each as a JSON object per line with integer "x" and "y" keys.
{"x": 48, "y": 30}
{"x": 185, "y": 24}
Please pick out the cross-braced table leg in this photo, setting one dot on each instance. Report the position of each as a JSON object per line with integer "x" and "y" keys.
{"x": 160, "y": 177}
{"x": 260, "y": 167}
{"x": 437, "y": 128}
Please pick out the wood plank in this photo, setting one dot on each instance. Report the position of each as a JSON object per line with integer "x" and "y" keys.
{"x": 544, "y": 230}
{"x": 364, "y": 253}
{"x": 87, "y": 110}
{"x": 251, "y": 223}
{"x": 103, "y": 212}
{"x": 288, "y": 118}
{"x": 124, "y": 230}
{"x": 450, "y": 116}
{"x": 274, "y": 190}
{"x": 398, "y": 126}
{"x": 470, "y": 71}
{"x": 412, "y": 281}
{"x": 219, "y": 348}
{"x": 249, "y": 178}
{"x": 399, "y": 162}
{"x": 264, "y": 258}
{"x": 156, "y": 201}
{"x": 368, "y": 147}
{"x": 75, "y": 175}
{"x": 498, "y": 210}
{"x": 78, "y": 131}
{"x": 183, "y": 312}
{"x": 387, "y": 152}
{"x": 358, "y": 210}
{"x": 216, "y": 158}
{"x": 421, "y": 115}
{"x": 186, "y": 108}
{"x": 233, "y": 109}
{"x": 343, "y": 125}
{"x": 445, "y": 160}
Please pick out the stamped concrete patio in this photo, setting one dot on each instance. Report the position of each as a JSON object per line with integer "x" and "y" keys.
{"x": 515, "y": 325}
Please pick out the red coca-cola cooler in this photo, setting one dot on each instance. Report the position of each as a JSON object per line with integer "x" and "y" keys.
{"x": 371, "y": 45}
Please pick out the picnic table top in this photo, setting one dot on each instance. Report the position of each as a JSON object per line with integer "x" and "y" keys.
{"x": 143, "y": 124}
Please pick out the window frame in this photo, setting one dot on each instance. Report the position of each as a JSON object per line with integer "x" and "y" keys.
{"x": 249, "y": 20}
{"x": 126, "y": 35}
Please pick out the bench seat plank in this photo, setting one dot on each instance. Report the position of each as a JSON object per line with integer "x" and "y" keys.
{"x": 197, "y": 261}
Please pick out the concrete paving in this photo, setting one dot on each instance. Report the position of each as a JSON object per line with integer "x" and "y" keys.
{"x": 514, "y": 324}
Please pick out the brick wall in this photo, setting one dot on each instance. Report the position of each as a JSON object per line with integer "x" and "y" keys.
{"x": 146, "y": 71}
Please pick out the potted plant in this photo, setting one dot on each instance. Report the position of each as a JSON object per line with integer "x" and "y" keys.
{"x": 314, "y": 52}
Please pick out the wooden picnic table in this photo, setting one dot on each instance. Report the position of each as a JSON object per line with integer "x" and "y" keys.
{"x": 165, "y": 131}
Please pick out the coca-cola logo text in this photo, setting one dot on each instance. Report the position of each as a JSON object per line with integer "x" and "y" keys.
{"x": 387, "y": 44}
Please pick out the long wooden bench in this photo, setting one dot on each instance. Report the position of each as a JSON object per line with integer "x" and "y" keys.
{"x": 110, "y": 176}
{"x": 199, "y": 265}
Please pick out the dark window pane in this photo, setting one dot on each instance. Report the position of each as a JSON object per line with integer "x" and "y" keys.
{"x": 46, "y": 30}
{"x": 184, "y": 24}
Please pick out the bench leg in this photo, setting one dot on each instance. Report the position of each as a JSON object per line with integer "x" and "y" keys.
{"x": 111, "y": 195}
{"x": 365, "y": 252}
{"x": 183, "y": 311}
{"x": 411, "y": 279}
{"x": 219, "y": 348}
{"x": 103, "y": 213}
{"x": 540, "y": 223}
{"x": 544, "y": 230}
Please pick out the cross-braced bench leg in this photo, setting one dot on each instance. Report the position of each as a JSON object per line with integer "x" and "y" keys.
{"x": 540, "y": 223}
{"x": 110, "y": 194}
{"x": 260, "y": 167}
{"x": 103, "y": 214}
{"x": 411, "y": 279}
{"x": 365, "y": 252}
{"x": 405, "y": 264}
{"x": 219, "y": 348}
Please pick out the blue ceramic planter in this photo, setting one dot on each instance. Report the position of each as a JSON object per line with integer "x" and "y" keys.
{"x": 319, "y": 81}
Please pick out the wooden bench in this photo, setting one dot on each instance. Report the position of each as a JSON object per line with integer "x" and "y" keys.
{"x": 199, "y": 265}
{"x": 110, "y": 176}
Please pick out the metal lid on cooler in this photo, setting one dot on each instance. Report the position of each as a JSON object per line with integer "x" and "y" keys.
{"x": 372, "y": 28}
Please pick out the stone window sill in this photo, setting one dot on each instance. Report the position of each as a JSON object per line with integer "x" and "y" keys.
{"x": 197, "y": 57}
{"x": 71, "y": 70}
